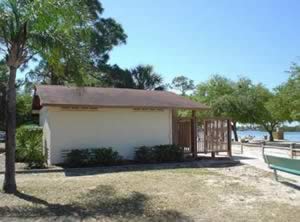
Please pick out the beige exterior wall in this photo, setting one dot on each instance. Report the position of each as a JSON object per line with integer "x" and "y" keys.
{"x": 121, "y": 129}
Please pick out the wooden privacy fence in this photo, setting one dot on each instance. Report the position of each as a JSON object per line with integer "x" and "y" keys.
{"x": 210, "y": 136}
{"x": 214, "y": 136}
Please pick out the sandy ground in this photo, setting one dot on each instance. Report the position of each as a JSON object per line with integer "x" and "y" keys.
{"x": 171, "y": 193}
{"x": 253, "y": 156}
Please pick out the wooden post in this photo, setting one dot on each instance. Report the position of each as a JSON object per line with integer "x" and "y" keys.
{"x": 174, "y": 127}
{"x": 275, "y": 175}
{"x": 292, "y": 146}
{"x": 213, "y": 154}
{"x": 218, "y": 145}
{"x": 194, "y": 134}
{"x": 242, "y": 148}
{"x": 263, "y": 149}
{"x": 229, "y": 138}
{"x": 205, "y": 137}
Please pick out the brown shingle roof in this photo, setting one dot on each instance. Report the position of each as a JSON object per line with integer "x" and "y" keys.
{"x": 109, "y": 97}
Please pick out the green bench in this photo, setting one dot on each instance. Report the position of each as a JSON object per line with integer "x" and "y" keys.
{"x": 287, "y": 165}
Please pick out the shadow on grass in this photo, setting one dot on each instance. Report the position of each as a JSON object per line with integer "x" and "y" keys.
{"x": 237, "y": 157}
{"x": 103, "y": 202}
{"x": 291, "y": 185}
{"x": 148, "y": 167}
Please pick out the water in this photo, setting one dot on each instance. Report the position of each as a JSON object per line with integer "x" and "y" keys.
{"x": 290, "y": 136}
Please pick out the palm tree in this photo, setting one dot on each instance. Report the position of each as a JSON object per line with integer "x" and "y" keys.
{"x": 69, "y": 35}
{"x": 29, "y": 28}
{"x": 144, "y": 77}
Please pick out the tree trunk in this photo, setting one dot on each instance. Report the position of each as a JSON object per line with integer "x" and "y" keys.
{"x": 233, "y": 126}
{"x": 9, "y": 185}
{"x": 271, "y": 138}
{"x": 54, "y": 80}
{"x": 3, "y": 108}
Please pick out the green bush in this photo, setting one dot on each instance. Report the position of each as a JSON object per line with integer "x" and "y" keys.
{"x": 29, "y": 147}
{"x": 105, "y": 156}
{"x": 92, "y": 157}
{"x": 159, "y": 153}
{"x": 78, "y": 158}
{"x": 144, "y": 154}
{"x": 168, "y": 153}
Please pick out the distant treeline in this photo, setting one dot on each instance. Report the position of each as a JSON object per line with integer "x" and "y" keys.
{"x": 259, "y": 128}
{"x": 291, "y": 128}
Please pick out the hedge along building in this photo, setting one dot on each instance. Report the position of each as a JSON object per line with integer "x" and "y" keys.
{"x": 89, "y": 117}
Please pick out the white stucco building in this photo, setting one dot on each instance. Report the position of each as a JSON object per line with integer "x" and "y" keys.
{"x": 78, "y": 118}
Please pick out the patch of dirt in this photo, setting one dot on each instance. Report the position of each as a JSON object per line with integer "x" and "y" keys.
{"x": 266, "y": 187}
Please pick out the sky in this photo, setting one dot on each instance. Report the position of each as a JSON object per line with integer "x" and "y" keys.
{"x": 258, "y": 39}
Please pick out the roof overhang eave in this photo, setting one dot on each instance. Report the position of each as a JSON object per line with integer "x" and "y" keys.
{"x": 128, "y": 107}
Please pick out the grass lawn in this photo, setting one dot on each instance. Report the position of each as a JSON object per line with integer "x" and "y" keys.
{"x": 238, "y": 193}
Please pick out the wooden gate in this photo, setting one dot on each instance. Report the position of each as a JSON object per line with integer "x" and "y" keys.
{"x": 210, "y": 136}
{"x": 214, "y": 136}
{"x": 184, "y": 137}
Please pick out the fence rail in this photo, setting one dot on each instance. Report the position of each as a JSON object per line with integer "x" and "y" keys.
{"x": 293, "y": 148}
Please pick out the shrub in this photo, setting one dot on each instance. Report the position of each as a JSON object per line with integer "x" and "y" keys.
{"x": 159, "y": 153}
{"x": 105, "y": 156}
{"x": 78, "y": 158}
{"x": 168, "y": 153}
{"x": 92, "y": 157}
{"x": 29, "y": 147}
{"x": 144, "y": 154}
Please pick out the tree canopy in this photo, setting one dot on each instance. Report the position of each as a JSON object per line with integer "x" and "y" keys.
{"x": 139, "y": 77}
{"x": 218, "y": 94}
{"x": 144, "y": 77}
{"x": 182, "y": 84}
{"x": 243, "y": 102}
{"x": 289, "y": 94}
{"x": 93, "y": 39}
